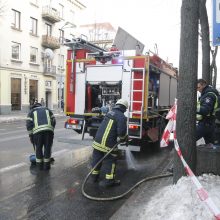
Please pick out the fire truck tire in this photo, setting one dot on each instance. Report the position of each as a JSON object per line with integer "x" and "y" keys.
{"x": 161, "y": 124}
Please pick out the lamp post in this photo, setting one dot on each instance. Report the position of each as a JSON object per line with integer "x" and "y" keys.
{"x": 61, "y": 61}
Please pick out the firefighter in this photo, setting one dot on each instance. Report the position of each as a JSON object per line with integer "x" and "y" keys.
{"x": 40, "y": 124}
{"x": 113, "y": 127}
{"x": 205, "y": 114}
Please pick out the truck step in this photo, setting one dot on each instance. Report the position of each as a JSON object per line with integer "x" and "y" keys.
{"x": 137, "y": 137}
{"x": 134, "y": 124}
{"x": 136, "y": 101}
{"x": 136, "y": 112}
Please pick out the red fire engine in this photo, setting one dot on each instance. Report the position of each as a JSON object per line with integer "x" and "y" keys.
{"x": 96, "y": 79}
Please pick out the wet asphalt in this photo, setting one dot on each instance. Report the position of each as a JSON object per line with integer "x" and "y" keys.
{"x": 26, "y": 193}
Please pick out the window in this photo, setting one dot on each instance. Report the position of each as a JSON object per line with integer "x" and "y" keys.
{"x": 47, "y": 65}
{"x": 33, "y": 55}
{"x": 61, "y": 36}
{"x": 16, "y": 22}
{"x": 48, "y": 29}
{"x": 33, "y": 28}
{"x": 61, "y": 10}
{"x": 15, "y": 51}
{"x": 61, "y": 61}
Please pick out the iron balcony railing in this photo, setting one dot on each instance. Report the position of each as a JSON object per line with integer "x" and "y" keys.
{"x": 49, "y": 70}
{"x": 50, "y": 42}
{"x": 51, "y": 14}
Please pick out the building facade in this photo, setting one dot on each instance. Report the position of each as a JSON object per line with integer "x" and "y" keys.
{"x": 32, "y": 51}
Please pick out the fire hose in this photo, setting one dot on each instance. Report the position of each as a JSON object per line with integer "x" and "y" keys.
{"x": 123, "y": 194}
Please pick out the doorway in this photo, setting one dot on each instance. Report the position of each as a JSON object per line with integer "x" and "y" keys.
{"x": 15, "y": 94}
{"x": 48, "y": 99}
{"x": 33, "y": 91}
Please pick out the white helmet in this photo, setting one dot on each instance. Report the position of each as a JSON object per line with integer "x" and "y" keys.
{"x": 122, "y": 102}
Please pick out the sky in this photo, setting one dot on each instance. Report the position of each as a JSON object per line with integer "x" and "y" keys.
{"x": 151, "y": 22}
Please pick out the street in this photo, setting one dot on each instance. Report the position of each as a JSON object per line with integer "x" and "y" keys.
{"x": 27, "y": 194}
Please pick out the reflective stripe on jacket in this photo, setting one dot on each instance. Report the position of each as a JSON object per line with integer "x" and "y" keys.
{"x": 40, "y": 119}
{"x": 113, "y": 125}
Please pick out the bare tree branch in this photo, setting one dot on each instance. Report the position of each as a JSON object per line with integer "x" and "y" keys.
{"x": 213, "y": 67}
{"x": 204, "y": 24}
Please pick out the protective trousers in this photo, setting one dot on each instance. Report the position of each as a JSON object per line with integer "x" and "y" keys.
{"x": 109, "y": 166}
{"x": 205, "y": 130}
{"x": 43, "y": 143}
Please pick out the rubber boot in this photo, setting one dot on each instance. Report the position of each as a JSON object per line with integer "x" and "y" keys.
{"x": 46, "y": 165}
{"x": 109, "y": 183}
{"x": 40, "y": 166}
{"x": 95, "y": 178}
{"x": 52, "y": 160}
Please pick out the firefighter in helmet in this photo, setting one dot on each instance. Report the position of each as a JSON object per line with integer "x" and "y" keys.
{"x": 205, "y": 114}
{"x": 40, "y": 124}
{"x": 113, "y": 126}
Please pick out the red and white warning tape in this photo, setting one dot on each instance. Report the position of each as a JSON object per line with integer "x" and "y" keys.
{"x": 202, "y": 193}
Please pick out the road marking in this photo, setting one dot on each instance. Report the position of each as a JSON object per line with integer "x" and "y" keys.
{"x": 9, "y": 168}
{"x": 13, "y": 138}
{"x": 2, "y": 170}
{"x": 17, "y": 192}
{"x": 6, "y": 132}
{"x": 59, "y": 152}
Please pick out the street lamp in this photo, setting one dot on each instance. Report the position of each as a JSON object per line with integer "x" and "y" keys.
{"x": 61, "y": 80}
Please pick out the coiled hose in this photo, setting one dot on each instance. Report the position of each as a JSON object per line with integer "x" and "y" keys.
{"x": 123, "y": 194}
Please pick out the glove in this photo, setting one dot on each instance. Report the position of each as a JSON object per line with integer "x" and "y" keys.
{"x": 96, "y": 110}
{"x": 124, "y": 141}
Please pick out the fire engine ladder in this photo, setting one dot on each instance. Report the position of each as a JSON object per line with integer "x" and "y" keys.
{"x": 131, "y": 111}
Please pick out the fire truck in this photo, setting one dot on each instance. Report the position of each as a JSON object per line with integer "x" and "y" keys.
{"x": 96, "y": 79}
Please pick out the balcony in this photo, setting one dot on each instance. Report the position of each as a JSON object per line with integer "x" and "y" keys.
{"x": 50, "y": 42}
{"x": 49, "y": 70}
{"x": 50, "y": 14}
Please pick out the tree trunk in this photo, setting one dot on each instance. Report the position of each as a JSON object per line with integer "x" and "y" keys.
{"x": 186, "y": 91}
{"x": 204, "y": 23}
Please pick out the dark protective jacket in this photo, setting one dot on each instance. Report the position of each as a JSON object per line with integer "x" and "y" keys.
{"x": 40, "y": 119}
{"x": 207, "y": 103}
{"x": 114, "y": 125}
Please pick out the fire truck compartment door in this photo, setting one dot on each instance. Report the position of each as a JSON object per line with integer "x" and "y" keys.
{"x": 104, "y": 73}
{"x": 173, "y": 90}
{"x": 80, "y": 93}
{"x": 164, "y": 92}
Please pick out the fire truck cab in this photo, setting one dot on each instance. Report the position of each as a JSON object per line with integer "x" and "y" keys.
{"x": 96, "y": 79}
